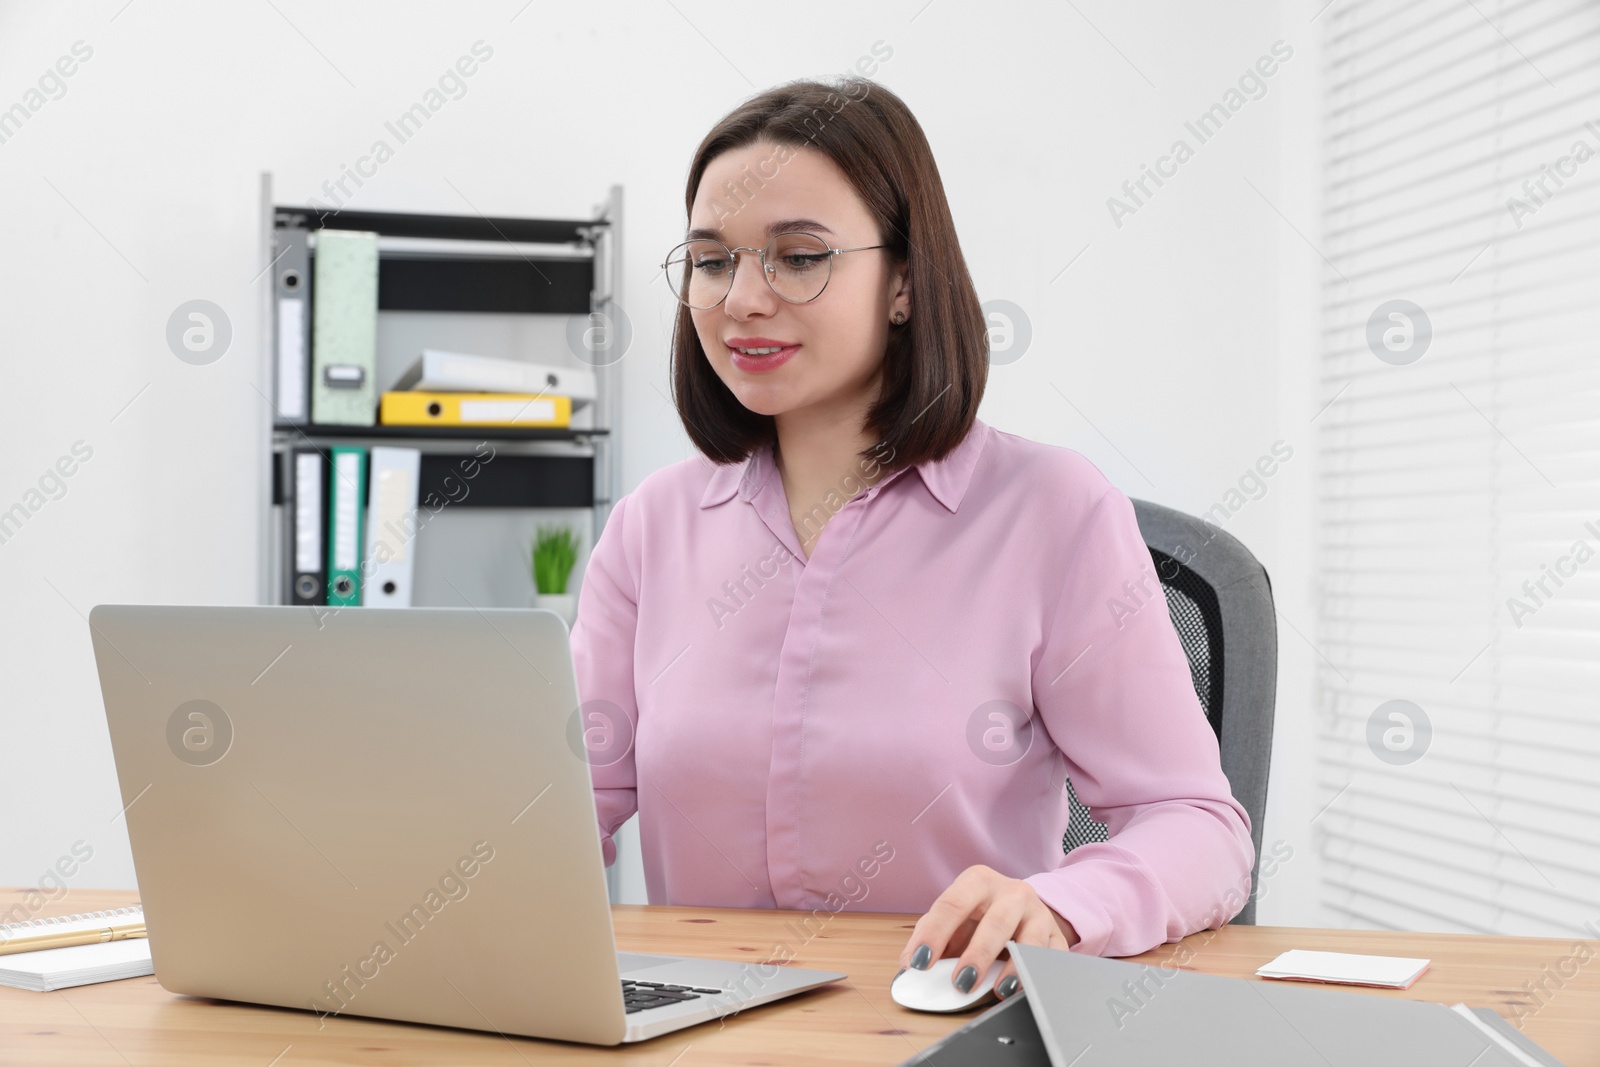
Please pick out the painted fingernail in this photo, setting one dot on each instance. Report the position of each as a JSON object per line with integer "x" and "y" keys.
{"x": 922, "y": 957}
{"x": 965, "y": 980}
{"x": 1007, "y": 986}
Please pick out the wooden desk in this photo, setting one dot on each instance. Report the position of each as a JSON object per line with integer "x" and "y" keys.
{"x": 134, "y": 1023}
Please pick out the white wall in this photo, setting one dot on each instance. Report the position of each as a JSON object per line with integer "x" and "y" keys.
{"x": 1173, "y": 352}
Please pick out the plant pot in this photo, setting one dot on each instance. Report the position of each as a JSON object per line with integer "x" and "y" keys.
{"x": 563, "y": 604}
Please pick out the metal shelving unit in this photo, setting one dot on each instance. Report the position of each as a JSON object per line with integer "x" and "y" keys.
{"x": 467, "y": 263}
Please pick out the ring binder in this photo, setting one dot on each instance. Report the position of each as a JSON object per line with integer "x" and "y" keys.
{"x": 292, "y": 327}
{"x": 308, "y": 500}
{"x": 344, "y": 331}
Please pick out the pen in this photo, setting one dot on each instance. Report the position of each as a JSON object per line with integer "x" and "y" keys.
{"x": 66, "y": 939}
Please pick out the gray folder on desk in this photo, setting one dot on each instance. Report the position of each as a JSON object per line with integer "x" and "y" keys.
{"x": 1090, "y": 1011}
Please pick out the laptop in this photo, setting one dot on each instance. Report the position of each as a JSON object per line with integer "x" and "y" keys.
{"x": 383, "y": 813}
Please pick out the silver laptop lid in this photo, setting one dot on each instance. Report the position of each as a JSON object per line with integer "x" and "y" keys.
{"x": 383, "y": 813}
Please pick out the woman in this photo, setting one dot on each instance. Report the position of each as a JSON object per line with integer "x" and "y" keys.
{"x": 849, "y": 655}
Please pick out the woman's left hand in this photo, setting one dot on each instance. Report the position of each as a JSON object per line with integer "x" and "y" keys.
{"x": 975, "y": 917}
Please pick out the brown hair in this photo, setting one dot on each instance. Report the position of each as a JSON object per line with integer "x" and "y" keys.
{"x": 936, "y": 363}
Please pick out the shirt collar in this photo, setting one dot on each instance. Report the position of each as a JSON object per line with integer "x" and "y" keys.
{"x": 946, "y": 479}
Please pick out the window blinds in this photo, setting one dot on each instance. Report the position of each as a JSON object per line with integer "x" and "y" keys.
{"x": 1458, "y": 487}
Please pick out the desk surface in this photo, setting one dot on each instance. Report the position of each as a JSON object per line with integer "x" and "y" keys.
{"x": 135, "y": 1022}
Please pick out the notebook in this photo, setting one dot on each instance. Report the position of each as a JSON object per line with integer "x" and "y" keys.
{"x": 60, "y": 968}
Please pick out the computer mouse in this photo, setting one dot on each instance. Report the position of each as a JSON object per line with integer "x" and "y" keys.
{"x": 935, "y": 990}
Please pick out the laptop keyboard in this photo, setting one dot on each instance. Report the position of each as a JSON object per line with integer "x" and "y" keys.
{"x": 638, "y": 996}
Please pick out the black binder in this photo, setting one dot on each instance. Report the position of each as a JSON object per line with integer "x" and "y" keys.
{"x": 305, "y": 545}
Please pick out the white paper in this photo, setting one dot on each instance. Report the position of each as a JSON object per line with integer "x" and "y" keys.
{"x": 1348, "y": 967}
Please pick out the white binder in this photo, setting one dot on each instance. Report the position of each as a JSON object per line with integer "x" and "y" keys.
{"x": 391, "y": 527}
{"x": 455, "y": 372}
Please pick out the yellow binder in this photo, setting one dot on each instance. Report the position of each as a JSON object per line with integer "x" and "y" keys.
{"x": 405, "y": 408}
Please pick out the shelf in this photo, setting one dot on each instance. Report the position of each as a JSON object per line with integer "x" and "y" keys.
{"x": 441, "y": 433}
{"x": 408, "y": 281}
{"x": 452, "y": 265}
{"x": 502, "y": 481}
{"x": 443, "y": 227}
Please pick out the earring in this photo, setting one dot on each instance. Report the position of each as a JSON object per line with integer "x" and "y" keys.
{"x": 899, "y": 317}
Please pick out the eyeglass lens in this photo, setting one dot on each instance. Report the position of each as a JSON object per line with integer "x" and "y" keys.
{"x": 701, "y": 272}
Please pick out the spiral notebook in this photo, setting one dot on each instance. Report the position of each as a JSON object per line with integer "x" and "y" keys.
{"x": 61, "y": 968}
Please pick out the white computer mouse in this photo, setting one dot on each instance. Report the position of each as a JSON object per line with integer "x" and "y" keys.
{"x": 934, "y": 990}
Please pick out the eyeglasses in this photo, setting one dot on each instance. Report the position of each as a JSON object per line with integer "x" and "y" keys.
{"x": 796, "y": 265}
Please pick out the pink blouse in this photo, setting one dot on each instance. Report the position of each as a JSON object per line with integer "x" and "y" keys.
{"x": 855, "y": 729}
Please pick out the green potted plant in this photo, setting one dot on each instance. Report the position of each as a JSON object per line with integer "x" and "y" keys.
{"x": 555, "y": 550}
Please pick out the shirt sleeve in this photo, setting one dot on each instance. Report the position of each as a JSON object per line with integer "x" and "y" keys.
{"x": 1112, "y": 687}
{"x": 602, "y": 657}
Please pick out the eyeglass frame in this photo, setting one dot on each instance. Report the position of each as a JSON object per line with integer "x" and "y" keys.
{"x": 761, "y": 253}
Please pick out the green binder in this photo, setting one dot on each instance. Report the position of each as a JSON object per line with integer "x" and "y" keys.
{"x": 347, "y": 496}
{"x": 344, "y": 334}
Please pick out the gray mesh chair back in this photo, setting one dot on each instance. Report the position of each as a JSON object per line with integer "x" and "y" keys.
{"x": 1220, "y": 601}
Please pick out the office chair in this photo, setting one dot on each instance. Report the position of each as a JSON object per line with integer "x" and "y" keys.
{"x": 1220, "y": 601}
